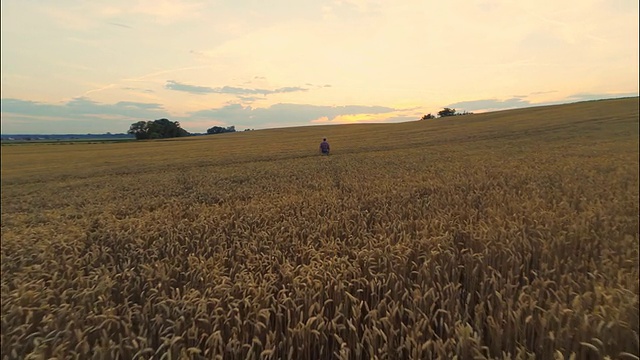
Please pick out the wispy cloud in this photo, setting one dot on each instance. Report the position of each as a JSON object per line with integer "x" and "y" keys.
{"x": 119, "y": 25}
{"x": 232, "y": 90}
{"x": 543, "y": 92}
{"x": 102, "y": 88}
{"x": 138, "y": 89}
{"x": 149, "y": 77}
{"x": 137, "y": 105}
{"x": 154, "y": 74}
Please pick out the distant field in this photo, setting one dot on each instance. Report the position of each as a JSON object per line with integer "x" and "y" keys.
{"x": 511, "y": 234}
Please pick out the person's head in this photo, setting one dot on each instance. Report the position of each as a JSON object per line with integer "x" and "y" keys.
{"x": 325, "y": 139}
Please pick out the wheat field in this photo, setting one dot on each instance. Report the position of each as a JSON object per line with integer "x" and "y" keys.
{"x": 504, "y": 235}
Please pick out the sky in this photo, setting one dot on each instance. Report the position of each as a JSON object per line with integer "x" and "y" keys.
{"x": 79, "y": 67}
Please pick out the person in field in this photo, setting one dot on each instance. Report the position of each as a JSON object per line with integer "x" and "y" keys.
{"x": 324, "y": 147}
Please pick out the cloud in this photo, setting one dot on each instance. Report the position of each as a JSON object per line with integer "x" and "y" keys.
{"x": 487, "y": 104}
{"x": 592, "y": 96}
{"x": 285, "y": 114}
{"x": 520, "y": 102}
{"x": 137, "y": 105}
{"x": 249, "y": 99}
{"x": 23, "y": 116}
{"x": 232, "y": 90}
{"x": 119, "y": 25}
{"x": 318, "y": 86}
{"x": 543, "y": 92}
{"x": 288, "y": 89}
{"x": 137, "y": 89}
{"x": 174, "y": 85}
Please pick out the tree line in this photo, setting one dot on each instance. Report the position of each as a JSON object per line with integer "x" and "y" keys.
{"x": 164, "y": 129}
{"x": 221, "y": 130}
{"x": 157, "y": 129}
{"x": 444, "y": 113}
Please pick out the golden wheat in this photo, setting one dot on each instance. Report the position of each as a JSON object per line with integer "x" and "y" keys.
{"x": 511, "y": 235}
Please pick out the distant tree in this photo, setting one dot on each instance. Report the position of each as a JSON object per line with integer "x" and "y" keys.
{"x": 157, "y": 129}
{"x": 452, "y": 112}
{"x": 140, "y": 129}
{"x": 447, "y": 112}
{"x": 427, "y": 117}
{"x": 215, "y": 130}
{"x": 220, "y": 129}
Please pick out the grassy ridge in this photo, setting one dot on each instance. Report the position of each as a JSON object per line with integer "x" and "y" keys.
{"x": 507, "y": 234}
